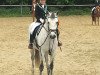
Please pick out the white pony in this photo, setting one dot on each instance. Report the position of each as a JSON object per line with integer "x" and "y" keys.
{"x": 45, "y": 43}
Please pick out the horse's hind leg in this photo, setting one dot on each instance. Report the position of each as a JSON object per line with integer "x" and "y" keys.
{"x": 32, "y": 59}
{"x": 51, "y": 67}
{"x": 41, "y": 67}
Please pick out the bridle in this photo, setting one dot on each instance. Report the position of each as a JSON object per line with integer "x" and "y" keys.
{"x": 52, "y": 30}
{"x": 48, "y": 31}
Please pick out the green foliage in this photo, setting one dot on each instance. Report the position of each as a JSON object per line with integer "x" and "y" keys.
{"x": 16, "y": 11}
{"x": 76, "y": 11}
{"x": 62, "y": 2}
{"x": 12, "y": 1}
{"x": 49, "y": 1}
{"x": 84, "y": 1}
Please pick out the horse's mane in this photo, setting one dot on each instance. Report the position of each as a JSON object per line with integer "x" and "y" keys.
{"x": 97, "y": 7}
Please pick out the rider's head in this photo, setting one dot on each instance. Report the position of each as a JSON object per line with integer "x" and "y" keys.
{"x": 97, "y": 1}
{"x": 43, "y": 2}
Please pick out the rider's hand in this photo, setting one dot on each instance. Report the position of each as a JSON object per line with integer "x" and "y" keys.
{"x": 42, "y": 20}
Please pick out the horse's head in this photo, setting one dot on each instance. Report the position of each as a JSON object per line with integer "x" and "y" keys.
{"x": 98, "y": 8}
{"x": 52, "y": 20}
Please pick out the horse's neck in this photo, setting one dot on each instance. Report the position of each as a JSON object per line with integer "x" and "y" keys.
{"x": 97, "y": 12}
{"x": 43, "y": 35}
{"x": 46, "y": 25}
{"x": 44, "y": 29}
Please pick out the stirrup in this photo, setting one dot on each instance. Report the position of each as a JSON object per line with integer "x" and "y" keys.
{"x": 30, "y": 46}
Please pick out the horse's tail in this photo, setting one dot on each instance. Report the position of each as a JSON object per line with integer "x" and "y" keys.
{"x": 37, "y": 58}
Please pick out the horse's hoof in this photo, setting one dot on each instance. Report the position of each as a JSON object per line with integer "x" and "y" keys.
{"x": 49, "y": 52}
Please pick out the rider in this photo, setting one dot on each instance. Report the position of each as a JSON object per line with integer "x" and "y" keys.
{"x": 40, "y": 14}
{"x": 97, "y": 3}
{"x": 40, "y": 11}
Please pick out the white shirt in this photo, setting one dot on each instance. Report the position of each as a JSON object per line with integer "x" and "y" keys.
{"x": 43, "y": 6}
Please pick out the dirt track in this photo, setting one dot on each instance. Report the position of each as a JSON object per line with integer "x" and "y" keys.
{"x": 81, "y": 47}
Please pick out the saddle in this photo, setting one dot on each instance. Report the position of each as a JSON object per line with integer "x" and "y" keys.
{"x": 35, "y": 31}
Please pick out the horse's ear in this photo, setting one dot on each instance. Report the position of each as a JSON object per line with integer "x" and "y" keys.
{"x": 57, "y": 12}
{"x": 47, "y": 13}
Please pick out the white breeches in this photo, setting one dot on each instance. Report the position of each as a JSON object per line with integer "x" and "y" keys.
{"x": 93, "y": 8}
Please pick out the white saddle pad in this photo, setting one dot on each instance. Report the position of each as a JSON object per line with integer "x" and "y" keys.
{"x": 33, "y": 26}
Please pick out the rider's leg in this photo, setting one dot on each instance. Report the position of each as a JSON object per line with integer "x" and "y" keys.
{"x": 93, "y": 9}
{"x": 32, "y": 34}
{"x": 31, "y": 41}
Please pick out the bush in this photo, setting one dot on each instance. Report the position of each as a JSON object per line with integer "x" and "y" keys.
{"x": 14, "y": 11}
{"x": 63, "y": 11}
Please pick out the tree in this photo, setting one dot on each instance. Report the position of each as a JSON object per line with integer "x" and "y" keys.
{"x": 52, "y": 2}
{"x": 2, "y": 2}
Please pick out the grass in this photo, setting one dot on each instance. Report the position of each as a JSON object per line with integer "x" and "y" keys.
{"x": 75, "y": 12}
{"x": 63, "y": 11}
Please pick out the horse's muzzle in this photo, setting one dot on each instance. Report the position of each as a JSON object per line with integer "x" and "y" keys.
{"x": 52, "y": 36}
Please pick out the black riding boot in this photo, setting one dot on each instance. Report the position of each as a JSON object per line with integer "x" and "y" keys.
{"x": 32, "y": 37}
{"x": 31, "y": 42}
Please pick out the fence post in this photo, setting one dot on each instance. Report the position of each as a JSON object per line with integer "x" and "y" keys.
{"x": 33, "y": 7}
{"x": 21, "y": 8}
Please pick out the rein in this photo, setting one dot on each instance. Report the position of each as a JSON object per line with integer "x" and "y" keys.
{"x": 45, "y": 28}
{"x": 46, "y": 37}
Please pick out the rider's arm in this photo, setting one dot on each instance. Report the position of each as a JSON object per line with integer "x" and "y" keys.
{"x": 37, "y": 15}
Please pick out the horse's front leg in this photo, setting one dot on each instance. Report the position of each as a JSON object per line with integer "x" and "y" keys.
{"x": 98, "y": 20}
{"x": 47, "y": 65}
{"x": 92, "y": 20}
{"x": 41, "y": 67}
{"x": 95, "y": 21}
{"x": 51, "y": 67}
{"x": 52, "y": 62}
